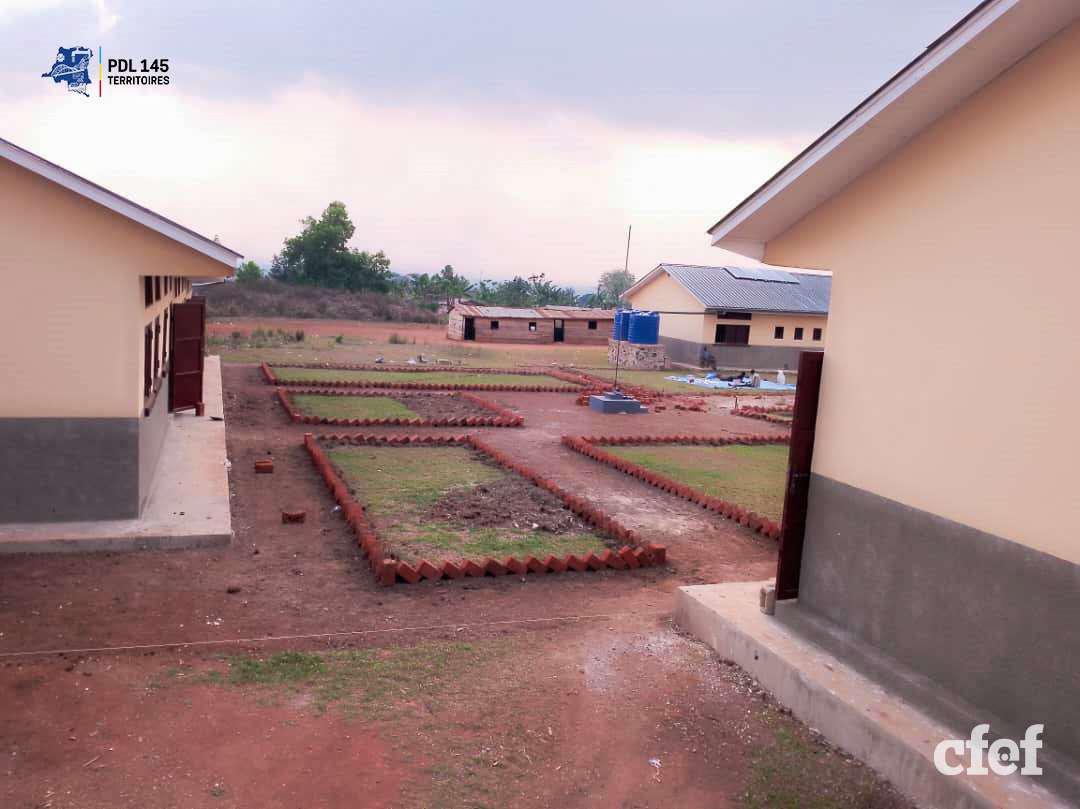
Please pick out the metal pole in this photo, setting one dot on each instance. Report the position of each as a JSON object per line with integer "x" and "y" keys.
{"x": 618, "y": 340}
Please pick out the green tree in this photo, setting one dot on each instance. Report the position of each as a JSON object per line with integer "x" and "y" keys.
{"x": 248, "y": 271}
{"x": 612, "y": 285}
{"x": 320, "y": 256}
{"x": 452, "y": 286}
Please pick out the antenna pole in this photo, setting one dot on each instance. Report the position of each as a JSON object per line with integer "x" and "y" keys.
{"x": 618, "y": 339}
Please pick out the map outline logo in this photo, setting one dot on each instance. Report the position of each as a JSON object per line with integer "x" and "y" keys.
{"x": 72, "y": 67}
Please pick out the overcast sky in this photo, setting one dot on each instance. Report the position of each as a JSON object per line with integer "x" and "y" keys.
{"x": 504, "y": 138}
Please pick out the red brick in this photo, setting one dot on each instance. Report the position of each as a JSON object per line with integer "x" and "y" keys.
{"x": 515, "y": 565}
{"x": 428, "y": 570}
{"x": 535, "y": 565}
{"x": 471, "y": 568}
{"x": 386, "y": 572}
{"x": 493, "y": 567}
{"x": 555, "y": 564}
{"x": 595, "y": 562}
{"x": 264, "y": 466}
{"x": 628, "y": 557}
{"x": 574, "y": 563}
{"x": 407, "y": 572}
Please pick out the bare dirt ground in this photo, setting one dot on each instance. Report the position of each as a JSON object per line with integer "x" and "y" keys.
{"x": 546, "y": 691}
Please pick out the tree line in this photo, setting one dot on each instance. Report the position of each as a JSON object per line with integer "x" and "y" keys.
{"x": 320, "y": 256}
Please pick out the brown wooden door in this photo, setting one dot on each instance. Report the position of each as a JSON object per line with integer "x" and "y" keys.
{"x": 188, "y": 337}
{"x": 796, "y": 496}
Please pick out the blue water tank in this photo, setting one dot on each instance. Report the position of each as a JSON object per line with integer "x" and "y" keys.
{"x": 617, "y": 325}
{"x": 644, "y": 328}
{"x": 624, "y": 324}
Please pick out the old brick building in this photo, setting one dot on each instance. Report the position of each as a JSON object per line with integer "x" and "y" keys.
{"x": 545, "y": 324}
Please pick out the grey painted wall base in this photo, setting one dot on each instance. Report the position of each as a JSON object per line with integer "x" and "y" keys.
{"x": 993, "y": 621}
{"x": 56, "y": 469}
{"x": 70, "y": 469}
{"x": 766, "y": 358}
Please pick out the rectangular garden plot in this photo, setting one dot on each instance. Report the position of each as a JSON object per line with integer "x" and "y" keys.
{"x": 357, "y": 407}
{"x": 741, "y": 478}
{"x": 378, "y": 376}
{"x": 447, "y": 507}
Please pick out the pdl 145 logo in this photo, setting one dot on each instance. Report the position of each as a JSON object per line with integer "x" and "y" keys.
{"x": 72, "y": 68}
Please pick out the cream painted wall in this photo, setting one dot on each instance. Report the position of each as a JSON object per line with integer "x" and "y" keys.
{"x": 763, "y": 326}
{"x": 71, "y": 335}
{"x": 951, "y": 381}
{"x": 665, "y": 293}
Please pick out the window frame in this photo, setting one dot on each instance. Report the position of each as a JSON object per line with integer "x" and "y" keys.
{"x": 798, "y": 335}
{"x": 493, "y": 325}
{"x": 817, "y": 334}
{"x": 593, "y": 325}
{"x": 532, "y": 325}
{"x": 724, "y": 328}
{"x": 778, "y": 333}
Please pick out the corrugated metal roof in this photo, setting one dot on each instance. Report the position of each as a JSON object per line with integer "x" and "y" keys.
{"x": 539, "y": 313}
{"x": 753, "y": 289}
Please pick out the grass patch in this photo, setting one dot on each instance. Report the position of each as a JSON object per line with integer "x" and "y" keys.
{"x": 396, "y": 480}
{"x": 797, "y": 773}
{"x": 496, "y": 542}
{"x": 369, "y": 681}
{"x": 751, "y": 476}
{"x": 397, "y": 484}
{"x": 351, "y": 407}
{"x": 287, "y": 374}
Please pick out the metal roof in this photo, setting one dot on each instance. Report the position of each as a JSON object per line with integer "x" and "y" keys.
{"x": 750, "y": 289}
{"x": 539, "y": 313}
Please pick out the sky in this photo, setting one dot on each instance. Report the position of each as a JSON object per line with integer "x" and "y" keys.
{"x": 504, "y": 138}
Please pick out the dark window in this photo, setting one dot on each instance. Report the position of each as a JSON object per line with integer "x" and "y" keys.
{"x": 157, "y": 287}
{"x": 798, "y": 332}
{"x": 532, "y": 325}
{"x": 592, "y": 325}
{"x": 732, "y": 335}
{"x": 778, "y": 333}
{"x": 148, "y": 361}
{"x": 817, "y": 334}
{"x": 494, "y": 325}
{"x": 733, "y": 315}
{"x": 148, "y": 290}
{"x": 165, "y": 340}
{"x": 157, "y": 343}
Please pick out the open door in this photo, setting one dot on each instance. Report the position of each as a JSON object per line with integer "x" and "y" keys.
{"x": 796, "y": 496}
{"x": 560, "y": 331}
{"x": 470, "y": 328}
{"x": 187, "y": 338}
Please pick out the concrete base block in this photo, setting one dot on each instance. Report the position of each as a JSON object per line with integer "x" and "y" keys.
{"x": 615, "y": 403}
{"x": 853, "y": 712}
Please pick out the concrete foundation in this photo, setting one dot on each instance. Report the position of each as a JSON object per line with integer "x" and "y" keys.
{"x": 852, "y": 710}
{"x": 188, "y": 496}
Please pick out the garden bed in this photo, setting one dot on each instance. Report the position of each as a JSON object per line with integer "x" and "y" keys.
{"x": 355, "y": 408}
{"x": 447, "y": 507}
{"x": 425, "y": 378}
{"x": 741, "y": 478}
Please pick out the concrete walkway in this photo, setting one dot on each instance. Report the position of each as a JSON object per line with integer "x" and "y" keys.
{"x": 856, "y": 713}
{"x": 189, "y": 498}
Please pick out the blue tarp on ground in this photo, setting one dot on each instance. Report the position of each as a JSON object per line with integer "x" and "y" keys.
{"x": 710, "y": 381}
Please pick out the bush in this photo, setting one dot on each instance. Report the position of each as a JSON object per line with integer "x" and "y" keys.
{"x": 397, "y": 340}
{"x": 266, "y": 297}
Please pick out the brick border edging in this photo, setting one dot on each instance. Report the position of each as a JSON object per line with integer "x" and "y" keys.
{"x": 505, "y": 417}
{"x": 272, "y": 378}
{"x": 586, "y": 445}
{"x": 389, "y": 571}
{"x": 765, "y": 413}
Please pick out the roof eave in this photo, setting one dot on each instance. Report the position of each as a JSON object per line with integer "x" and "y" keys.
{"x": 748, "y": 228}
{"x": 121, "y": 205}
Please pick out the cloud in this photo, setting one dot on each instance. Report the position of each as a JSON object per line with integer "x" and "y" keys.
{"x": 106, "y": 17}
{"x": 495, "y": 196}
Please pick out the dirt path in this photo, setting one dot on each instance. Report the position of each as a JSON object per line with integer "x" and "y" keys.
{"x": 561, "y": 713}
